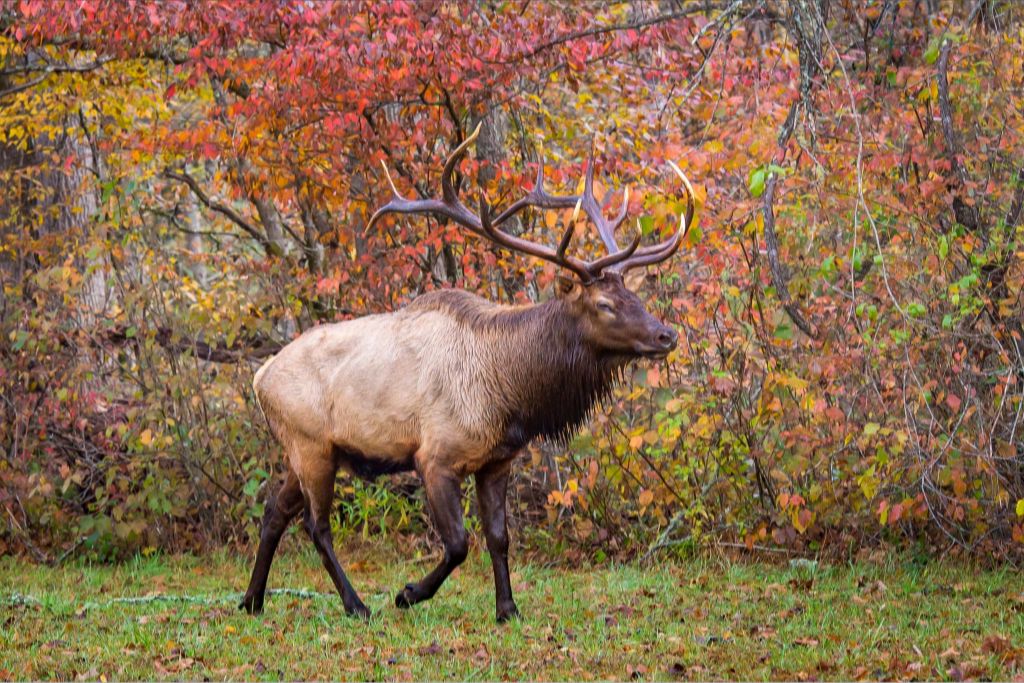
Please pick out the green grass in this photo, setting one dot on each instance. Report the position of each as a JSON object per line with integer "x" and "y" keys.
{"x": 703, "y": 619}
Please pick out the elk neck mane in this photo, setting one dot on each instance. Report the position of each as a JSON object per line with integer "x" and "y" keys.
{"x": 546, "y": 377}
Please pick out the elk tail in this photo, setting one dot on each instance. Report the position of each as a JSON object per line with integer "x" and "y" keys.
{"x": 256, "y": 384}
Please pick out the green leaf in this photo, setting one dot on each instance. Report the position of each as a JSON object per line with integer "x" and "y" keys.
{"x": 784, "y": 331}
{"x": 943, "y": 247}
{"x": 251, "y": 487}
{"x": 931, "y": 55}
{"x": 20, "y": 338}
{"x": 694, "y": 236}
{"x": 757, "y": 178}
{"x": 916, "y": 310}
{"x": 646, "y": 225}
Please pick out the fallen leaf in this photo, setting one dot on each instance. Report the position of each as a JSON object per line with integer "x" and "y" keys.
{"x": 636, "y": 672}
{"x": 995, "y": 644}
{"x": 950, "y": 653}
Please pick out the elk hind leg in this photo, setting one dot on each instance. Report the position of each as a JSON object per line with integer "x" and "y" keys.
{"x": 281, "y": 509}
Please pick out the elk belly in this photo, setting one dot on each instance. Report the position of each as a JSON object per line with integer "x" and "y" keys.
{"x": 373, "y": 415}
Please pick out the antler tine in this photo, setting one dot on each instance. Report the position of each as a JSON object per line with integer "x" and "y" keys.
{"x": 514, "y": 243}
{"x": 566, "y": 239}
{"x": 384, "y": 209}
{"x": 610, "y": 260}
{"x": 448, "y": 190}
{"x": 593, "y": 209}
{"x": 662, "y": 251}
{"x": 621, "y": 218}
{"x": 537, "y": 197}
{"x": 450, "y": 207}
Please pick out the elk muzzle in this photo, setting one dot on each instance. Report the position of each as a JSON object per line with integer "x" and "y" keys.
{"x": 660, "y": 342}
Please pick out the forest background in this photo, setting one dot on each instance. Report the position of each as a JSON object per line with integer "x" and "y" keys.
{"x": 186, "y": 187}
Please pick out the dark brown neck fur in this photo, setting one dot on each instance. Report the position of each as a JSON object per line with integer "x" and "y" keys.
{"x": 547, "y": 376}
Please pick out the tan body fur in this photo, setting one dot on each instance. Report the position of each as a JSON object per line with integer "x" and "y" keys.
{"x": 424, "y": 380}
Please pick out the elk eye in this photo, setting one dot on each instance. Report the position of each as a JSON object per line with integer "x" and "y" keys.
{"x": 605, "y": 307}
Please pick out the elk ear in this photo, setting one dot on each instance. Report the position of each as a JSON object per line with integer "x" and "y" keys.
{"x": 634, "y": 279}
{"x": 567, "y": 287}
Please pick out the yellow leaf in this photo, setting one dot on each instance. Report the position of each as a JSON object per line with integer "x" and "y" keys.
{"x": 551, "y": 219}
{"x": 146, "y": 437}
{"x": 646, "y": 498}
{"x": 1020, "y": 507}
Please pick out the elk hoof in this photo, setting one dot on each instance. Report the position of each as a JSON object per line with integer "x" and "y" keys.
{"x": 507, "y": 613}
{"x": 406, "y": 597}
{"x": 358, "y": 610}
{"x": 251, "y": 605}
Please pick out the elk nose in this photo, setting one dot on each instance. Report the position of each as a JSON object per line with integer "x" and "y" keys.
{"x": 668, "y": 338}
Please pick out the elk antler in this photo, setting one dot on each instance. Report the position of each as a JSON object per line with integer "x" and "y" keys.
{"x": 487, "y": 225}
{"x": 657, "y": 253}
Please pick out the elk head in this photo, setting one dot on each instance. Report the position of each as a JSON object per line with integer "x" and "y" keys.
{"x": 612, "y": 318}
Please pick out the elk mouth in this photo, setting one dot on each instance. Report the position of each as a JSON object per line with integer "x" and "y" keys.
{"x": 663, "y": 343}
{"x": 654, "y": 352}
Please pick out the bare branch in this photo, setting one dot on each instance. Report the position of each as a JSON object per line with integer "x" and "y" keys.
{"x": 778, "y": 275}
{"x": 15, "y": 89}
{"x": 965, "y": 214}
{"x": 1013, "y": 214}
{"x": 694, "y": 8}
{"x": 772, "y": 241}
{"x": 224, "y": 210}
{"x": 255, "y": 349}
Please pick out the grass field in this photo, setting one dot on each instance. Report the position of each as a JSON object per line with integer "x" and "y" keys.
{"x": 704, "y": 619}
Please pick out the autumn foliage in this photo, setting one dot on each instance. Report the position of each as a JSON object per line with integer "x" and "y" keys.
{"x": 186, "y": 188}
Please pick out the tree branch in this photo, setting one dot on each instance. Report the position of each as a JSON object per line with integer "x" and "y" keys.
{"x": 46, "y": 68}
{"x": 222, "y": 353}
{"x": 611, "y": 28}
{"x": 771, "y": 240}
{"x": 269, "y": 247}
{"x": 964, "y": 213}
{"x": 1013, "y": 214}
{"x": 15, "y": 89}
{"x": 778, "y": 275}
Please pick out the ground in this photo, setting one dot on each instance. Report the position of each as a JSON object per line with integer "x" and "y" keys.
{"x": 698, "y": 619}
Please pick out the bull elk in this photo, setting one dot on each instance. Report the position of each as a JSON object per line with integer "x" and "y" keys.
{"x": 453, "y": 385}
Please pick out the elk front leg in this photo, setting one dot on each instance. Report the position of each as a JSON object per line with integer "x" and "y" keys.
{"x": 318, "y": 491}
{"x": 281, "y": 510}
{"x": 491, "y": 487}
{"x": 444, "y": 497}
